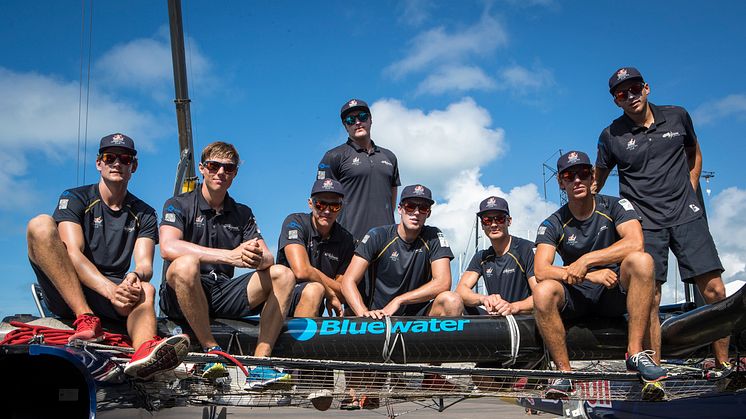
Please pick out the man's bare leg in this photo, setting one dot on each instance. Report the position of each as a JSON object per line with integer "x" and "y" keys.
{"x": 310, "y": 300}
{"x": 183, "y": 276}
{"x": 46, "y": 250}
{"x": 141, "y": 324}
{"x": 713, "y": 290}
{"x": 652, "y": 338}
{"x": 274, "y": 287}
{"x": 447, "y": 303}
{"x": 549, "y": 296}
{"x": 636, "y": 275}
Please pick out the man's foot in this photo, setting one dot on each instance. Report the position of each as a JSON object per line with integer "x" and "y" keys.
{"x": 559, "y": 389}
{"x": 653, "y": 391}
{"x": 88, "y": 328}
{"x": 720, "y": 371}
{"x": 156, "y": 355}
{"x": 213, "y": 370}
{"x": 643, "y": 364}
{"x": 261, "y": 376}
{"x": 437, "y": 383}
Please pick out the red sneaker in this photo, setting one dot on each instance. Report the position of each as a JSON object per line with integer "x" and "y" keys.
{"x": 88, "y": 328}
{"x": 157, "y": 355}
{"x": 437, "y": 383}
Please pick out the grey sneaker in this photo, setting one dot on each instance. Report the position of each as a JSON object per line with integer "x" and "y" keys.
{"x": 559, "y": 388}
{"x": 643, "y": 364}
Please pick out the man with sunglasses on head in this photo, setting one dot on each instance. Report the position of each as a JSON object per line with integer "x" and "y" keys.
{"x": 507, "y": 266}
{"x": 81, "y": 256}
{"x": 408, "y": 266}
{"x": 318, "y": 250}
{"x": 205, "y": 235}
{"x": 659, "y": 161}
{"x": 368, "y": 172}
{"x": 606, "y": 272}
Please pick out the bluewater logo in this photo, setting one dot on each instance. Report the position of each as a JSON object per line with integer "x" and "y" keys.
{"x": 305, "y": 329}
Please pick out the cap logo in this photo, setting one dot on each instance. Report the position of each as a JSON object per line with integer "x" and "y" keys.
{"x": 328, "y": 184}
{"x": 117, "y": 139}
{"x": 352, "y": 103}
{"x": 572, "y": 157}
{"x": 419, "y": 190}
{"x": 622, "y": 74}
{"x": 492, "y": 202}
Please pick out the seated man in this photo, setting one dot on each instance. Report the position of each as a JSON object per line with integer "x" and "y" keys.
{"x": 205, "y": 234}
{"x": 507, "y": 266}
{"x": 318, "y": 250}
{"x": 81, "y": 257}
{"x": 408, "y": 266}
{"x": 605, "y": 272}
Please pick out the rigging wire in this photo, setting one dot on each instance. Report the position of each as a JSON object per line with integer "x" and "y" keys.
{"x": 189, "y": 61}
{"x": 80, "y": 88}
{"x": 88, "y": 87}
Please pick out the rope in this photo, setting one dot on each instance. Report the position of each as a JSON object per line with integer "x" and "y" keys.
{"x": 232, "y": 359}
{"x": 515, "y": 340}
{"x": 26, "y": 334}
{"x": 388, "y": 346}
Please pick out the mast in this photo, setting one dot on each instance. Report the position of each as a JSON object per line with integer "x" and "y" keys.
{"x": 185, "y": 174}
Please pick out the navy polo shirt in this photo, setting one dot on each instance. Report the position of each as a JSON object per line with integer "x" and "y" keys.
{"x": 653, "y": 168}
{"x": 573, "y": 238}
{"x": 508, "y": 274}
{"x": 396, "y": 266}
{"x": 330, "y": 256}
{"x": 202, "y": 225}
{"x": 109, "y": 235}
{"x": 367, "y": 179}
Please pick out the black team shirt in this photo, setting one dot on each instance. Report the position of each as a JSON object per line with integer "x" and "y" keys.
{"x": 508, "y": 274}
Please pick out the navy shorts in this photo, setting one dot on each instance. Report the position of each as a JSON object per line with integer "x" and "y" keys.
{"x": 475, "y": 311}
{"x": 226, "y": 297}
{"x": 589, "y": 298}
{"x": 100, "y": 305}
{"x": 692, "y": 245}
{"x": 295, "y": 300}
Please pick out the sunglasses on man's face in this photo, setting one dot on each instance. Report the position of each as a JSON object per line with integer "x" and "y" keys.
{"x": 350, "y": 119}
{"x": 488, "y": 220}
{"x": 110, "y": 158}
{"x": 570, "y": 175}
{"x": 322, "y": 206}
{"x": 213, "y": 166}
{"x": 622, "y": 94}
{"x": 410, "y": 207}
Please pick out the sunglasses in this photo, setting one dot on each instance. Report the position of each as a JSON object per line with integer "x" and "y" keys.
{"x": 214, "y": 166}
{"x": 499, "y": 219}
{"x": 350, "y": 119}
{"x": 623, "y": 94}
{"x": 410, "y": 207}
{"x": 110, "y": 158}
{"x": 322, "y": 206}
{"x": 570, "y": 175}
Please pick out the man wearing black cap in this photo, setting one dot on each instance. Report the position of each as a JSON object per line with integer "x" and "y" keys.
{"x": 657, "y": 153}
{"x": 605, "y": 272}
{"x": 205, "y": 235}
{"x": 369, "y": 173}
{"x": 507, "y": 266}
{"x": 408, "y": 266}
{"x": 318, "y": 250}
{"x": 81, "y": 256}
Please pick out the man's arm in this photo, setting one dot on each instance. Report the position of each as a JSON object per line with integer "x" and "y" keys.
{"x": 600, "y": 174}
{"x": 303, "y": 270}
{"x": 173, "y": 246}
{"x": 543, "y": 264}
{"x": 440, "y": 282}
{"x": 694, "y": 159}
{"x": 143, "y": 258}
{"x": 631, "y": 241}
{"x": 526, "y": 305}
{"x": 394, "y": 191}
{"x": 465, "y": 289}
{"x": 352, "y": 276}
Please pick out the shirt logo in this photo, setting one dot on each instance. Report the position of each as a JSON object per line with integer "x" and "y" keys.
{"x": 542, "y": 230}
{"x": 130, "y": 228}
{"x": 199, "y": 221}
{"x": 488, "y": 272}
{"x": 365, "y": 238}
{"x": 231, "y": 227}
{"x": 394, "y": 256}
{"x": 694, "y": 208}
{"x": 356, "y": 161}
{"x": 321, "y": 174}
{"x": 571, "y": 240}
{"x": 98, "y": 222}
{"x": 443, "y": 241}
{"x": 624, "y": 202}
{"x": 293, "y": 224}
{"x": 63, "y": 204}
{"x": 670, "y": 134}
{"x": 331, "y": 256}
{"x": 292, "y": 234}
{"x": 172, "y": 208}
{"x": 386, "y": 162}
{"x": 572, "y": 157}
{"x": 622, "y": 74}
{"x": 508, "y": 271}
{"x": 170, "y": 217}
{"x": 632, "y": 144}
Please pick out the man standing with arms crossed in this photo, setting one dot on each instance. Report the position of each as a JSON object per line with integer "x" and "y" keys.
{"x": 81, "y": 256}
{"x": 205, "y": 235}
{"x": 657, "y": 153}
{"x": 369, "y": 173}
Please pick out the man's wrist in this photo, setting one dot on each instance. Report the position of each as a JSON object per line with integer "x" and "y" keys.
{"x": 137, "y": 274}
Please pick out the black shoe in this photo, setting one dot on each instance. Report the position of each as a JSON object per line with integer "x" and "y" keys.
{"x": 559, "y": 389}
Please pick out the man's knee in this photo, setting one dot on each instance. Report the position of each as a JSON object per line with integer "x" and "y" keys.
{"x": 41, "y": 227}
{"x": 183, "y": 270}
{"x": 451, "y": 303}
{"x": 148, "y": 290}
{"x": 547, "y": 296}
{"x": 313, "y": 292}
{"x": 711, "y": 286}
{"x": 282, "y": 277}
{"x": 639, "y": 265}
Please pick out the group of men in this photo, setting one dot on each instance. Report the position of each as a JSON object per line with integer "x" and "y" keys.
{"x": 349, "y": 256}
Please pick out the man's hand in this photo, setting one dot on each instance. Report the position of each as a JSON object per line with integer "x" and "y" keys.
{"x": 389, "y": 310}
{"x": 496, "y": 305}
{"x": 127, "y": 294}
{"x": 333, "y": 303}
{"x": 576, "y": 271}
{"x": 605, "y": 277}
{"x": 251, "y": 254}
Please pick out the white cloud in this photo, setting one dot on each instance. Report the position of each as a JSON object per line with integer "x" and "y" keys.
{"x": 415, "y": 12}
{"x": 456, "y": 78}
{"x": 437, "y": 46}
{"x": 728, "y": 230}
{"x": 521, "y": 80}
{"x": 434, "y": 147}
{"x": 729, "y": 106}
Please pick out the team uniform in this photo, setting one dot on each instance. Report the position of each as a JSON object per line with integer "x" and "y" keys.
{"x": 110, "y": 238}
{"x": 654, "y": 175}
{"x": 397, "y": 267}
{"x": 368, "y": 180}
{"x": 506, "y": 275}
{"x": 573, "y": 238}
{"x": 202, "y": 225}
{"x": 330, "y": 256}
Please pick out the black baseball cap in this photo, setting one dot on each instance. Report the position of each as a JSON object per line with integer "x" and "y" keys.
{"x": 572, "y": 158}
{"x": 351, "y": 105}
{"x": 622, "y": 75}
{"x": 417, "y": 191}
{"x": 117, "y": 140}
{"x": 327, "y": 185}
{"x": 493, "y": 203}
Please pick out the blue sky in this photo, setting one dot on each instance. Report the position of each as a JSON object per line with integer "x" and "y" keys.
{"x": 472, "y": 97}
